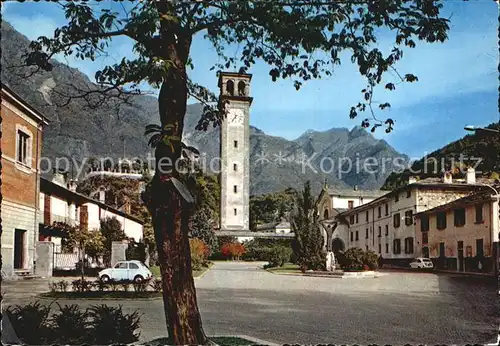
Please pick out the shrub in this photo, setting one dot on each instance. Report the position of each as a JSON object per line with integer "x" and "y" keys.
{"x": 81, "y": 285}
{"x": 370, "y": 260}
{"x": 110, "y": 325}
{"x": 199, "y": 253}
{"x": 125, "y": 286}
{"x": 59, "y": 286}
{"x": 279, "y": 255}
{"x": 30, "y": 322}
{"x": 156, "y": 285}
{"x": 100, "y": 286}
{"x": 141, "y": 286}
{"x": 233, "y": 250}
{"x": 70, "y": 324}
{"x": 113, "y": 285}
{"x": 53, "y": 287}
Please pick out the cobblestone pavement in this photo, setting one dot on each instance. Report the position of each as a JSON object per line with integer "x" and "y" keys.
{"x": 397, "y": 308}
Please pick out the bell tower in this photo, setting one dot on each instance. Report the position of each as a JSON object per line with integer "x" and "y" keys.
{"x": 234, "y": 151}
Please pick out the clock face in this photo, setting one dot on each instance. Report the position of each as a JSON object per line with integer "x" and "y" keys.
{"x": 236, "y": 116}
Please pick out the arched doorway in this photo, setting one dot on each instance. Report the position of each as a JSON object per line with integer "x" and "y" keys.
{"x": 325, "y": 214}
{"x": 338, "y": 245}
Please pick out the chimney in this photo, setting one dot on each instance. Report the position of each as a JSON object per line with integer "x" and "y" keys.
{"x": 102, "y": 195}
{"x": 471, "y": 176}
{"x": 447, "y": 177}
{"x": 355, "y": 187}
{"x": 412, "y": 180}
{"x": 72, "y": 185}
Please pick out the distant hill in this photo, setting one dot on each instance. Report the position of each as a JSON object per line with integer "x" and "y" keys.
{"x": 481, "y": 149}
{"x": 276, "y": 163}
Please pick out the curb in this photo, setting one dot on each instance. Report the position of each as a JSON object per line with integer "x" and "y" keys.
{"x": 38, "y": 296}
{"x": 204, "y": 273}
{"x": 252, "y": 339}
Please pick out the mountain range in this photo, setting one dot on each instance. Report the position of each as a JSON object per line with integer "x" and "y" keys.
{"x": 115, "y": 129}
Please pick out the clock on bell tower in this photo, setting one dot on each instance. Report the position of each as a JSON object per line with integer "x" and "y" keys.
{"x": 234, "y": 151}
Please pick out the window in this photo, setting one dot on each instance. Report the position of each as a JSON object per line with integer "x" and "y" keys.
{"x": 366, "y": 247}
{"x": 425, "y": 237}
{"x": 424, "y": 223}
{"x": 479, "y": 213}
{"x": 379, "y": 248}
{"x": 386, "y": 247}
{"x": 357, "y": 235}
{"x": 379, "y": 231}
{"x": 408, "y": 194}
{"x": 235, "y": 167}
{"x": 396, "y": 199}
{"x": 352, "y": 236}
{"x": 386, "y": 209}
{"x": 357, "y": 218}
{"x": 366, "y": 236}
{"x": 236, "y": 144}
{"x": 409, "y": 217}
{"x": 121, "y": 265}
{"x": 386, "y": 230}
{"x": 235, "y": 188}
{"x": 397, "y": 220}
{"x": 351, "y": 219}
{"x": 22, "y": 147}
{"x": 409, "y": 245}
{"x": 441, "y": 250}
{"x": 379, "y": 212}
{"x": 459, "y": 216}
{"x": 441, "y": 220}
{"x": 367, "y": 216}
{"x": 468, "y": 251}
{"x": 350, "y": 204}
{"x": 396, "y": 247}
{"x": 235, "y": 211}
{"x": 133, "y": 266}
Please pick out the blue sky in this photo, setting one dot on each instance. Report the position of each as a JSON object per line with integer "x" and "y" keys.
{"x": 458, "y": 80}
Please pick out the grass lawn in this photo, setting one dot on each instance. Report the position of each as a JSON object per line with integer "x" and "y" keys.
{"x": 156, "y": 271}
{"x": 220, "y": 340}
{"x": 288, "y": 268}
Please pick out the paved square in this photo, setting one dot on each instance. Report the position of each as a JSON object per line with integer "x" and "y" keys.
{"x": 397, "y": 308}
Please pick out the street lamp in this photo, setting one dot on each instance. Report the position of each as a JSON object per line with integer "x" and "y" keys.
{"x": 472, "y": 128}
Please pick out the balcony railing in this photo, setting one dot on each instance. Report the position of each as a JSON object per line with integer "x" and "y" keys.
{"x": 50, "y": 219}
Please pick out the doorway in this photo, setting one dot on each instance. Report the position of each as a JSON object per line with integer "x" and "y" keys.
{"x": 460, "y": 247}
{"x": 19, "y": 255}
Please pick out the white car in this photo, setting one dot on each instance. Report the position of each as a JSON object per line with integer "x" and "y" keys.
{"x": 134, "y": 271}
{"x": 421, "y": 263}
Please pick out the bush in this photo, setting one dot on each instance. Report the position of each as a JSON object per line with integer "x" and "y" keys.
{"x": 81, "y": 285}
{"x": 141, "y": 286}
{"x": 110, "y": 325}
{"x": 233, "y": 250}
{"x": 31, "y": 323}
{"x": 199, "y": 253}
{"x": 71, "y": 325}
{"x": 125, "y": 286}
{"x": 357, "y": 259}
{"x": 279, "y": 255}
{"x": 157, "y": 285}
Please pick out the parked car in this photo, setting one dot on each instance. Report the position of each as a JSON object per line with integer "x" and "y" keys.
{"x": 135, "y": 271}
{"x": 421, "y": 263}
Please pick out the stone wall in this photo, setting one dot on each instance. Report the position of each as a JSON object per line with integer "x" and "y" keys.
{"x": 44, "y": 258}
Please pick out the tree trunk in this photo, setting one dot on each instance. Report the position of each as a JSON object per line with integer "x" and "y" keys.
{"x": 170, "y": 212}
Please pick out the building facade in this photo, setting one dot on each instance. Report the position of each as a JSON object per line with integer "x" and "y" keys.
{"x": 21, "y": 143}
{"x": 387, "y": 225}
{"x": 62, "y": 205}
{"x": 234, "y": 151}
{"x": 461, "y": 235}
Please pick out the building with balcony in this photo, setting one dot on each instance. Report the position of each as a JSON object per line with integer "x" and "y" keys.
{"x": 460, "y": 235}
{"x": 63, "y": 206}
{"x": 21, "y": 145}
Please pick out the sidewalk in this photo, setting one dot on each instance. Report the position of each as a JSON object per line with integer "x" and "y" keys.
{"x": 437, "y": 271}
